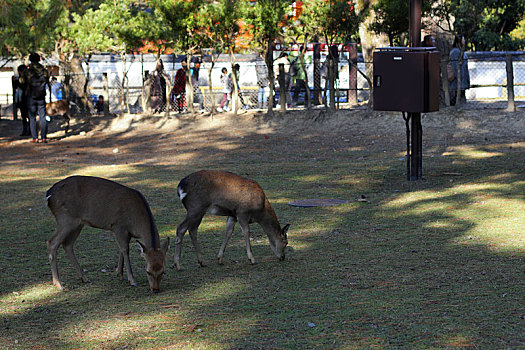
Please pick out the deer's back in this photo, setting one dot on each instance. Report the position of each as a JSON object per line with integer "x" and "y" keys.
{"x": 212, "y": 188}
{"x": 60, "y": 107}
{"x": 97, "y": 202}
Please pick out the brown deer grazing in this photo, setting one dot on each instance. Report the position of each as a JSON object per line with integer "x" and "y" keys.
{"x": 60, "y": 107}
{"x": 84, "y": 200}
{"x": 226, "y": 194}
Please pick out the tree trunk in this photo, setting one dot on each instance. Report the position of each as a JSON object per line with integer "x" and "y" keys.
{"x": 307, "y": 101}
{"x": 282, "y": 87}
{"x": 235, "y": 93}
{"x": 189, "y": 86}
{"x": 332, "y": 71}
{"x": 87, "y": 82}
{"x": 369, "y": 40}
{"x": 121, "y": 90}
{"x": 268, "y": 59}
{"x": 74, "y": 89}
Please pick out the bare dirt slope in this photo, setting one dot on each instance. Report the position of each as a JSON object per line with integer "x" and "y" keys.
{"x": 146, "y": 139}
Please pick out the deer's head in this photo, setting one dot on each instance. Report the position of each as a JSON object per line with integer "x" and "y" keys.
{"x": 279, "y": 243}
{"x": 155, "y": 264}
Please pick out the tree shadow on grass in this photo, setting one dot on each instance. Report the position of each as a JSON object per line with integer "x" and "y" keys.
{"x": 408, "y": 268}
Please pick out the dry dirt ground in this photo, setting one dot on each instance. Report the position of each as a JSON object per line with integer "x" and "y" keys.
{"x": 207, "y": 140}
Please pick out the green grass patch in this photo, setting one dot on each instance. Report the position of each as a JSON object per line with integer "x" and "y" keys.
{"x": 434, "y": 264}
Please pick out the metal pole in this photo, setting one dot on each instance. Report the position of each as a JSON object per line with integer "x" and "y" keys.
{"x": 416, "y": 151}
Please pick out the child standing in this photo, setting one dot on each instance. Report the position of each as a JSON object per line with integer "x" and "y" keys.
{"x": 227, "y": 86}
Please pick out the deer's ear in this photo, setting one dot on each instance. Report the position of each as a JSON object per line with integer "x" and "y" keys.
{"x": 142, "y": 249}
{"x": 285, "y": 229}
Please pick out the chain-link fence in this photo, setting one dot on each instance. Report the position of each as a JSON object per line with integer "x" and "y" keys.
{"x": 170, "y": 90}
{"x": 485, "y": 85}
{"x": 488, "y": 80}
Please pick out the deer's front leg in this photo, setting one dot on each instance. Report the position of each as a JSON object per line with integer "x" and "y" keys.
{"x": 246, "y": 231}
{"x": 123, "y": 239}
{"x": 230, "y": 224}
{"x": 120, "y": 267}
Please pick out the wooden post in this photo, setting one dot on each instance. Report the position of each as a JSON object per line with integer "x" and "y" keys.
{"x": 444, "y": 81}
{"x": 318, "y": 94}
{"x": 105, "y": 93}
{"x": 331, "y": 83}
{"x": 352, "y": 72}
{"x": 511, "y": 105}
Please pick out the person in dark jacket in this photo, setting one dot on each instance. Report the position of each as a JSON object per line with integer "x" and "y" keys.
{"x": 36, "y": 79}
{"x": 20, "y": 100}
{"x": 460, "y": 67}
{"x": 179, "y": 86}
{"x": 158, "y": 88}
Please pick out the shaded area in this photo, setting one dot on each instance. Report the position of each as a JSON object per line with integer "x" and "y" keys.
{"x": 419, "y": 265}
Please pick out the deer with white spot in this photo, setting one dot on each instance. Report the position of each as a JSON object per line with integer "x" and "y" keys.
{"x": 227, "y": 194}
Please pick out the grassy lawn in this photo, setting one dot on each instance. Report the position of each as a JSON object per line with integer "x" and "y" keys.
{"x": 433, "y": 264}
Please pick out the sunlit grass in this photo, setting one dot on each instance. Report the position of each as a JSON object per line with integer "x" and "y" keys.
{"x": 497, "y": 219}
{"x": 25, "y": 299}
{"x": 422, "y": 265}
{"x": 472, "y": 153}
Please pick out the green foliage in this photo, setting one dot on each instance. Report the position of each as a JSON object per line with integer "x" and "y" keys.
{"x": 487, "y": 23}
{"x": 216, "y": 25}
{"x": 266, "y": 20}
{"x": 27, "y": 26}
{"x": 333, "y": 20}
{"x": 92, "y": 31}
{"x": 392, "y": 18}
{"x": 519, "y": 32}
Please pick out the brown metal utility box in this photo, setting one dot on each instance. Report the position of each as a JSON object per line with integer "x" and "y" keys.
{"x": 406, "y": 79}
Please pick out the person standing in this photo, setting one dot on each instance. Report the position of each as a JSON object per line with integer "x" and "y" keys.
{"x": 179, "y": 86}
{"x": 35, "y": 79}
{"x": 56, "y": 90}
{"x": 197, "y": 95}
{"x": 299, "y": 75}
{"x": 461, "y": 67}
{"x": 236, "y": 71}
{"x": 158, "y": 88}
{"x": 227, "y": 87}
{"x": 20, "y": 100}
{"x": 428, "y": 41}
{"x": 283, "y": 59}
{"x": 262, "y": 81}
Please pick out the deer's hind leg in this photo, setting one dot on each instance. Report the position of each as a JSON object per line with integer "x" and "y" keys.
{"x": 67, "y": 120}
{"x": 190, "y": 223}
{"x": 68, "y": 248}
{"x": 66, "y": 233}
